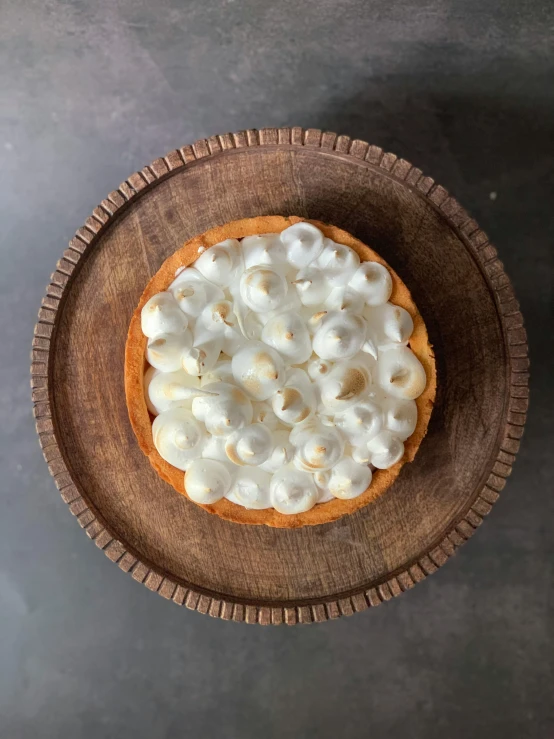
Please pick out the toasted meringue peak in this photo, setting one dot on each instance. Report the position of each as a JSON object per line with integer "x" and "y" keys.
{"x": 162, "y": 315}
{"x": 263, "y": 289}
{"x": 251, "y": 445}
{"x": 400, "y": 417}
{"x": 344, "y": 298}
{"x": 312, "y": 286}
{"x": 166, "y": 389}
{"x": 263, "y": 249}
{"x": 281, "y": 454}
{"x": 347, "y": 384}
{"x": 389, "y": 325}
{"x": 259, "y": 369}
{"x": 318, "y": 368}
{"x": 294, "y": 402}
{"x": 287, "y": 333}
{"x": 178, "y": 437}
{"x": 292, "y": 491}
{"x": 202, "y": 358}
{"x": 264, "y": 414}
{"x": 317, "y": 449}
{"x": 221, "y": 263}
{"x": 303, "y": 243}
{"x": 207, "y": 481}
{"x": 251, "y": 489}
{"x": 385, "y": 450}
{"x": 373, "y": 281}
{"x": 337, "y": 262}
{"x": 339, "y": 335}
{"x": 193, "y": 292}
{"x": 362, "y": 419}
{"x": 165, "y": 352}
{"x": 222, "y": 372}
{"x": 400, "y": 373}
{"x": 349, "y": 479}
{"x": 225, "y": 410}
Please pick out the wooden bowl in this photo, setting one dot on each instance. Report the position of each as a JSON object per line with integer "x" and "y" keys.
{"x": 255, "y": 573}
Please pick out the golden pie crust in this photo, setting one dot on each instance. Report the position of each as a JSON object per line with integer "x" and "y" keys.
{"x": 135, "y": 366}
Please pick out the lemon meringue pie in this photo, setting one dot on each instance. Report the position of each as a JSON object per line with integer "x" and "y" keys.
{"x": 278, "y": 372}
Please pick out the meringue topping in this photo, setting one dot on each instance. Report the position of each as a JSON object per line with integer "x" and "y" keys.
{"x": 279, "y": 372}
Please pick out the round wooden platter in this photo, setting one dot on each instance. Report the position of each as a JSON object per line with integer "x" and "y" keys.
{"x": 255, "y": 573}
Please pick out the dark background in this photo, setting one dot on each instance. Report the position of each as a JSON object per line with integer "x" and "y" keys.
{"x": 90, "y": 91}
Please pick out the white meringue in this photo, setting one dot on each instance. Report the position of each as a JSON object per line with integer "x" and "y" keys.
{"x": 292, "y": 491}
{"x": 251, "y": 445}
{"x": 288, "y": 334}
{"x": 345, "y": 385}
{"x": 193, "y": 292}
{"x": 259, "y": 369}
{"x": 318, "y": 448}
{"x": 373, "y": 281}
{"x": 264, "y": 414}
{"x": 303, "y": 243}
{"x": 214, "y": 448}
{"x": 317, "y": 368}
{"x": 178, "y": 437}
{"x": 321, "y": 479}
{"x": 344, "y": 298}
{"x": 166, "y": 351}
{"x": 281, "y": 454}
{"x": 385, "y": 450}
{"x": 294, "y": 402}
{"x": 389, "y": 325}
{"x": 166, "y": 389}
{"x": 339, "y": 335}
{"x": 224, "y": 410}
{"x": 221, "y": 263}
{"x": 263, "y": 249}
{"x": 162, "y": 315}
{"x": 207, "y": 481}
{"x": 202, "y": 358}
{"x": 363, "y": 419}
{"x": 251, "y": 489}
{"x": 312, "y": 286}
{"x": 263, "y": 289}
{"x": 222, "y": 372}
{"x": 349, "y": 479}
{"x": 400, "y": 417}
{"x": 337, "y": 262}
{"x": 149, "y": 375}
{"x": 400, "y": 373}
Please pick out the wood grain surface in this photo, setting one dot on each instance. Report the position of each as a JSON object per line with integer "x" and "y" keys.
{"x": 256, "y": 574}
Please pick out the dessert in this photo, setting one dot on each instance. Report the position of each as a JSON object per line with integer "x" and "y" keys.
{"x": 277, "y": 372}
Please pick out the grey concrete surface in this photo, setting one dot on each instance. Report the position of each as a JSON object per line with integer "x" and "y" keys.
{"x": 90, "y": 91}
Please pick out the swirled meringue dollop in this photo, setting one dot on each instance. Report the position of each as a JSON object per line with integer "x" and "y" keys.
{"x": 162, "y": 315}
{"x": 317, "y": 447}
{"x": 251, "y": 489}
{"x": 251, "y": 445}
{"x": 207, "y": 481}
{"x": 193, "y": 292}
{"x": 221, "y": 263}
{"x": 349, "y": 479}
{"x": 400, "y": 373}
{"x": 337, "y": 262}
{"x": 385, "y": 449}
{"x": 339, "y": 335}
{"x": 178, "y": 437}
{"x": 224, "y": 410}
{"x": 293, "y": 491}
{"x": 263, "y": 289}
{"x": 166, "y": 389}
{"x": 288, "y": 334}
{"x": 303, "y": 243}
{"x": 294, "y": 402}
{"x": 166, "y": 351}
{"x": 279, "y": 373}
{"x": 259, "y": 369}
{"x": 373, "y": 281}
